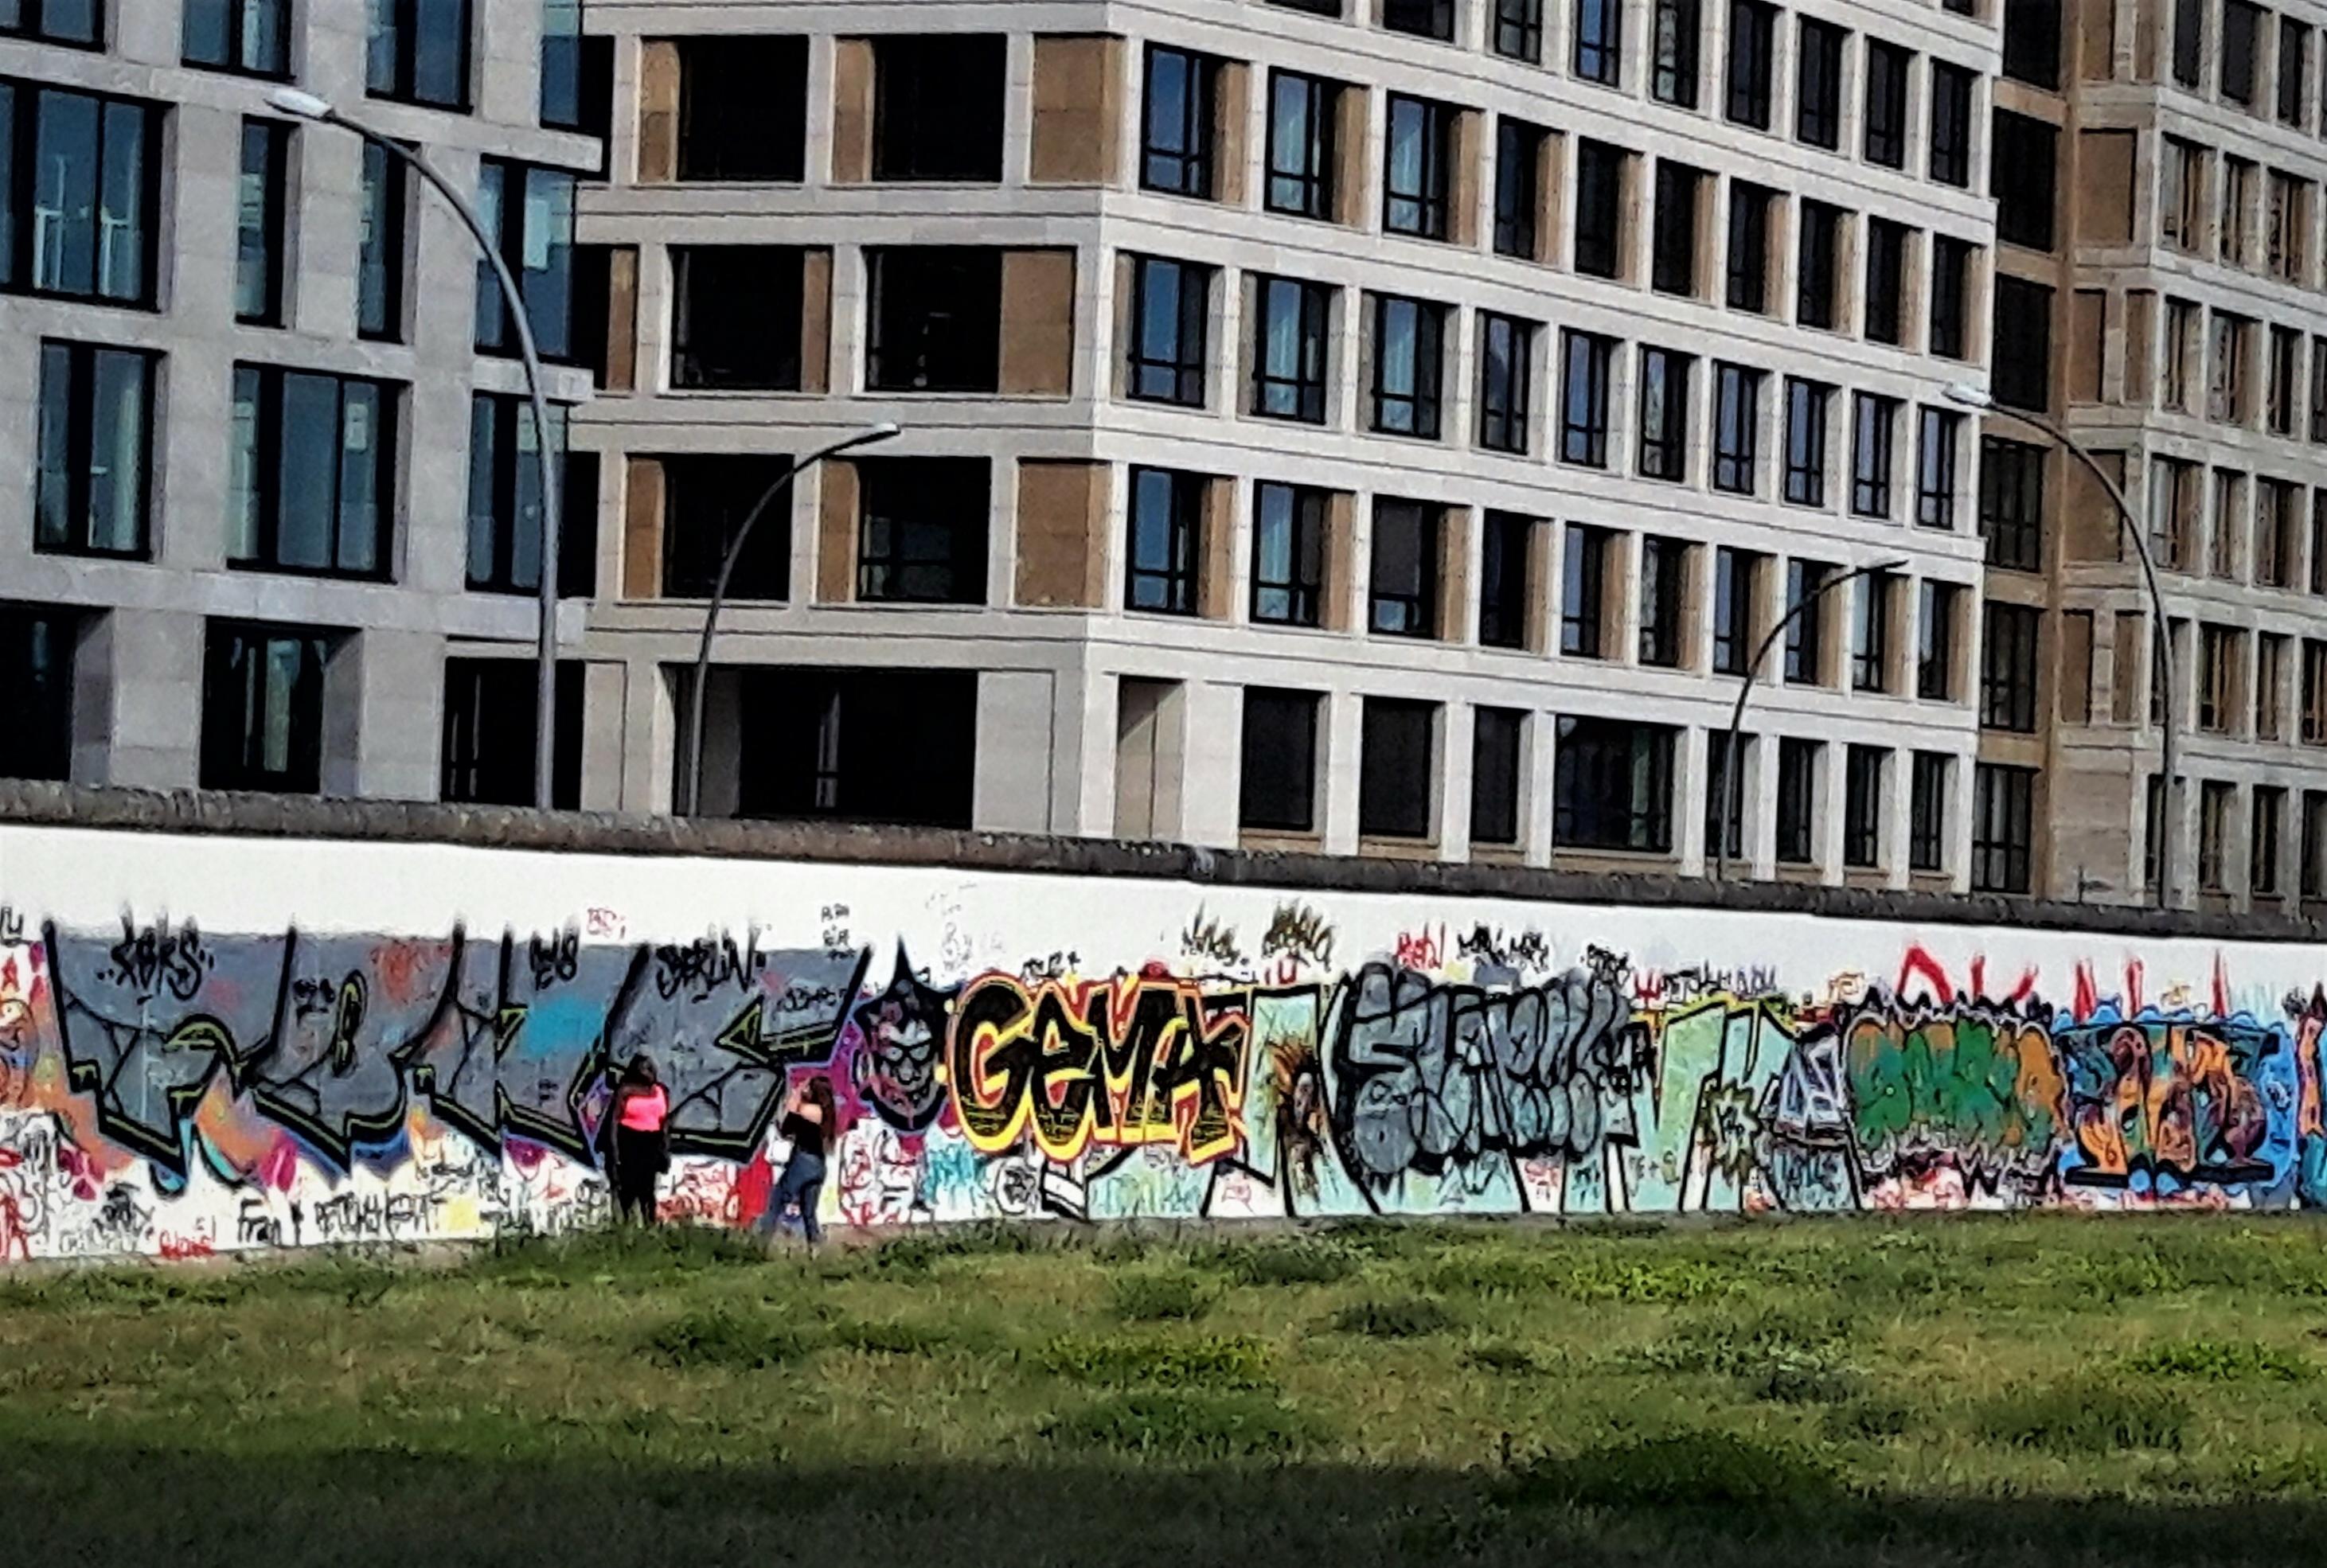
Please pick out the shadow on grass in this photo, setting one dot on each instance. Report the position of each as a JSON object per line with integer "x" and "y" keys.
{"x": 89, "y": 1504}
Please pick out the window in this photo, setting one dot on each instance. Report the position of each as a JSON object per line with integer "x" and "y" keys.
{"x": 36, "y": 662}
{"x": 2237, "y": 180}
{"x": 2181, "y": 344}
{"x": 2314, "y": 844}
{"x": 837, "y": 761}
{"x": 2226, "y": 390}
{"x": 420, "y": 52}
{"x": 2286, "y": 349}
{"x": 2276, "y": 506}
{"x": 1818, "y": 83}
{"x": 1749, "y": 246}
{"x": 1497, "y": 756}
{"x": 1167, "y": 527}
{"x": 2270, "y": 681}
{"x": 1519, "y": 30}
{"x": 2181, "y": 224}
{"x": 1862, "y": 806}
{"x": 1797, "y": 771}
{"x": 1806, "y": 582}
{"x": 1583, "y": 593}
{"x": 1403, "y": 590}
{"x": 2031, "y": 41}
{"x": 310, "y": 485}
{"x": 1673, "y": 268}
{"x": 936, "y": 320}
{"x": 251, "y": 36}
{"x": 2171, "y": 503}
{"x": 1870, "y": 636}
{"x": 1289, "y": 328}
{"x": 1518, "y": 180}
{"x": 1887, "y": 67}
{"x": 2314, "y": 692}
{"x": 1874, "y": 423}
{"x": 1950, "y": 124}
{"x": 2012, "y": 503}
{"x": 2003, "y": 834}
{"x": 94, "y": 463}
{"x": 2294, "y": 63}
{"x": 1950, "y": 272}
{"x": 1584, "y": 399}
{"x": 2024, "y": 344}
{"x": 2241, "y": 26}
{"x": 263, "y": 708}
{"x": 2264, "y": 837}
{"x": 707, "y": 501}
{"x": 1277, "y": 790}
{"x": 1171, "y": 317}
{"x": 1288, "y": 554}
{"x": 1418, "y": 173}
{"x": 577, "y": 71}
{"x": 923, "y": 524}
{"x": 1664, "y": 597}
{"x": 1886, "y": 281}
{"x": 1736, "y": 429}
{"x": 1938, "y": 434}
{"x": 1806, "y": 422}
{"x": 1599, "y": 208}
{"x": 2022, "y": 158}
{"x": 1664, "y": 414}
{"x": 2217, "y": 677}
{"x": 1599, "y": 40}
{"x": 1752, "y": 50}
{"x": 937, "y": 102}
{"x": 529, "y": 213}
{"x": 1813, "y": 303}
{"x": 1503, "y": 606}
{"x": 1301, "y": 115}
{"x": 1678, "y": 27}
{"x": 1176, "y": 150}
{"x": 2007, "y": 684}
{"x": 2215, "y": 798}
{"x": 1736, "y": 609}
{"x": 1409, "y": 356}
{"x": 2229, "y": 522}
{"x": 2190, "y": 42}
{"x": 1935, "y": 642}
{"x": 2319, "y": 543}
{"x": 1612, "y": 786}
{"x": 1506, "y": 372}
{"x": 1423, "y": 18}
{"x": 505, "y": 502}
{"x": 743, "y": 109}
{"x": 735, "y": 318}
{"x": 1926, "y": 812}
{"x": 1396, "y": 769}
{"x": 2287, "y": 223}
{"x": 80, "y": 196}
{"x": 2152, "y": 821}
{"x": 489, "y": 726}
{"x": 380, "y": 260}
{"x": 1724, "y": 831}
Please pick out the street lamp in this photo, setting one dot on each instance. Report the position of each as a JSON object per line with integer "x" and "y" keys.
{"x": 783, "y": 482}
{"x": 1729, "y": 801}
{"x": 2162, "y": 635}
{"x": 307, "y": 105}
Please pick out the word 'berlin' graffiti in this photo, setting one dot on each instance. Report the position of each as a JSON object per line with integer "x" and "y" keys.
{"x": 173, "y": 1091}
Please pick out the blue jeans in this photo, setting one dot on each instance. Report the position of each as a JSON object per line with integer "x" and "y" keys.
{"x": 802, "y": 1182}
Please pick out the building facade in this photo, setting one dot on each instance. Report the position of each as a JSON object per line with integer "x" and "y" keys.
{"x": 237, "y": 351}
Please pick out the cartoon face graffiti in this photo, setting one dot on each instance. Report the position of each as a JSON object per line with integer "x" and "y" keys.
{"x": 901, "y": 1042}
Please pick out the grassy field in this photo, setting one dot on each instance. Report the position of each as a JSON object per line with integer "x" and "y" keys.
{"x": 2000, "y": 1392}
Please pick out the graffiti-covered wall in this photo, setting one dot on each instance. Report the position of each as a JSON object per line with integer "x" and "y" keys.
{"x": 210, "y": 1042}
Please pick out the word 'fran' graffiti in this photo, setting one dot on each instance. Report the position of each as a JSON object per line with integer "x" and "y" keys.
{"x": 1127, "y": 1062}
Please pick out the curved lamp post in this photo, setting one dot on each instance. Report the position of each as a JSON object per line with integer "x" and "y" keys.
{"x": 2162, "y": 632}
{"x": 307, "y": 105}
{"x": 1729, "y": 801}
{"x": 693, "y": 777}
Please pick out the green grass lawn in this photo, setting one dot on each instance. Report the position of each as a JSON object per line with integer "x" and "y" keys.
{"x": 2039, "y": 1391}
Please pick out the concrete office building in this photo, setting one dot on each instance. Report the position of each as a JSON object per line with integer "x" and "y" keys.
{"x": 238, "y": 358}
{"x": 1371, "y": 425}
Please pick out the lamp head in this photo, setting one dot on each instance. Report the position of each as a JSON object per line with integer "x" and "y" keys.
{"x": 1969, "y": 396}
{"x": 305, "y": 106}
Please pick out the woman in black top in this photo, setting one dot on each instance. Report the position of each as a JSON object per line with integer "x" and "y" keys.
{"x": 810, "y": 1124}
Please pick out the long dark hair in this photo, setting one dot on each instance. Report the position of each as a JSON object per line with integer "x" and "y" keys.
{"x": 820, "y": 1094}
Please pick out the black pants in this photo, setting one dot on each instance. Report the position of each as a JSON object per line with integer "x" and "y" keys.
{"x": 638, "y": 1161}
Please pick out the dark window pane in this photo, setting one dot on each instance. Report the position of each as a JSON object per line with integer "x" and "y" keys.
{"x": 1279, "y": 771}
{"x": 1397, "y": 768}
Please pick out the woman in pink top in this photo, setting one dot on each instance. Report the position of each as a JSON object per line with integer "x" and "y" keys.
{"x": 638, "y": 1141}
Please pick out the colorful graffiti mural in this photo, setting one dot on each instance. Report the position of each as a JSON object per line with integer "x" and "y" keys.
{"x": 171, "y": 1091}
